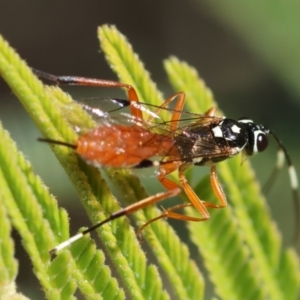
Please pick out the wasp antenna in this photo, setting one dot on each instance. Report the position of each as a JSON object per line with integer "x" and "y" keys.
{"x": 281, "y": 156}
{"x": 279, "y": 164}
{"x": 50, "y": 141}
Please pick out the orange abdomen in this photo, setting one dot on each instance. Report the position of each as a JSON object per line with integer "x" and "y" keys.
{"x": 122, "y": 146}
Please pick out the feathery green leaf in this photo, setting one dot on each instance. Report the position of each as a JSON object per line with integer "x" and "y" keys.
{"x": 33, "y": 211}
{"x": 241, "y": 246}
{"x": 171, "y": 253}
{"x": 8, "y": 264}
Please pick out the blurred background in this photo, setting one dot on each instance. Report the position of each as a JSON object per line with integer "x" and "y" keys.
{"x": 247, "y": 53}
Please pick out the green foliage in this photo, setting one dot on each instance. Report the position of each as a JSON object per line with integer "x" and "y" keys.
{"x": 186, "y": 282}
{"x": 240, "y": 245}
{"x": 244, "y": 234}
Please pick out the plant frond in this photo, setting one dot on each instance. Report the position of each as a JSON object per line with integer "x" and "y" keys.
{"x": 240, "y": 244}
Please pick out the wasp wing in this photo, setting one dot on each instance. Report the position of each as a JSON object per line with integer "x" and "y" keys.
{"x": 118, "y": 139}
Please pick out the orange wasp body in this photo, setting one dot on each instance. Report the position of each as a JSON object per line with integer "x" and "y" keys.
{"x": 135, "y": 141}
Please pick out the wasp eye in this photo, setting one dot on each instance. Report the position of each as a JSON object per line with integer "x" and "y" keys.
{"x": 262, "y": 142}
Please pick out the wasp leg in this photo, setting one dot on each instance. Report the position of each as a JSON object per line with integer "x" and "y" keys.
{"x": 168, "y": 213}
{"x": 120, "y": 213}
{"x": 194, "y": 199}
{"x": 76, "y": 80}
{"x": 166, "y": 169}
{"x": 177, "y": 109}
{"x": 217, "y": 188}
{"x": 211, "y": 112}
{"x": 200, "y": 205}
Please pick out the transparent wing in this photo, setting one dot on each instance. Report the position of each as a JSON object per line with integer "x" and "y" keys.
{"x": 128, "y": 141}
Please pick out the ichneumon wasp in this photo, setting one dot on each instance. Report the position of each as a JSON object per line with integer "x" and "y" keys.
{"x": 135, "y": 141}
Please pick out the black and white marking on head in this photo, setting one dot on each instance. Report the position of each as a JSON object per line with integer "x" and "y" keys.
{"x": 258, "y": 137}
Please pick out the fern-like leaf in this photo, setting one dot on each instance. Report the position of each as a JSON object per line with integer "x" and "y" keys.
{"x": 32, "y": 209}
{"x": 241, "y": 246}
{"x": 8, "y": 264}
{"x": 172, "y": 255}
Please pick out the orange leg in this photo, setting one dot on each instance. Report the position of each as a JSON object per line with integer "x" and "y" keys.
{"x": 173, "y": 190}
{"x": 75, "y": 80}
{"x": 200, "y": 205}
{"x": 131, "y": 93}
{"x": 217, "y": 188}
{"x": 166, "y": 169}
{"x": 122, "y": 212}
{"x": 168, "y": 214}
{"x": 211, "y": 112}
{"x": 177, "y": 109}
{"x": 195, "y": 201}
